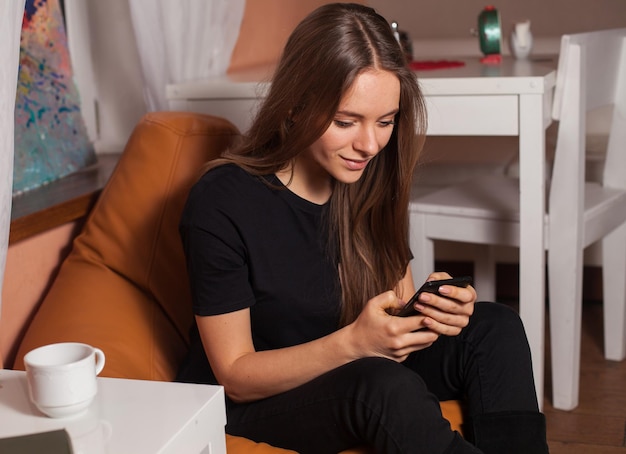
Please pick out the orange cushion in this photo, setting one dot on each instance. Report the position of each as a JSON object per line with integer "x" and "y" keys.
{"x": 240, "y": 445}
{"x": 124, "y": 286}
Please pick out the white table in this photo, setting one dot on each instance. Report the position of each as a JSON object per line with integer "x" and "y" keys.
{"x": 513, "y": 98}
{"x": 127, "y": 416}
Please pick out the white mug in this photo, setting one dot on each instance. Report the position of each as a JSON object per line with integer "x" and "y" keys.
{"x": 62, "y": 377}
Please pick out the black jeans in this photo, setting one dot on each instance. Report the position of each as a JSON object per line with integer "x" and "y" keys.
{"x": 395, "y": 407}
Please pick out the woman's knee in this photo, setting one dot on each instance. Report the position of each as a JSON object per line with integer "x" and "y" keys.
{"x": 498, "y": 319}
{"x": 496, "y": 331}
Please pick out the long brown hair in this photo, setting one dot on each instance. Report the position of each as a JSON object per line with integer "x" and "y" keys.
{"x": 368, "y": 219}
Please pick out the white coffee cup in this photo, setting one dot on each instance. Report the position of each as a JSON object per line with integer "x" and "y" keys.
{"x": 62, "y": 377}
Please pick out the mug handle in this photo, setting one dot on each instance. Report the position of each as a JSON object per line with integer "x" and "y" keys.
{"x": 100, "y": 360}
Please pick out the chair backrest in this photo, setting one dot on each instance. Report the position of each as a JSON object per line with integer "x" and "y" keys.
{"x": 124, "y": 286}
{"x": 591, "y": 74}
{"x": 603, "y": 54}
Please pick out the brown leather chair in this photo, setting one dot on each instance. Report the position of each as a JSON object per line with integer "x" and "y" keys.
{"x": 123, "y": 287}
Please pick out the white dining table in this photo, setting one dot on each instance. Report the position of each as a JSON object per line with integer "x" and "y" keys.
{"x": 513, "y": 98}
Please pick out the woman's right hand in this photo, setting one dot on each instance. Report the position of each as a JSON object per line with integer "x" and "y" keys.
{"x": 378, "y": 333}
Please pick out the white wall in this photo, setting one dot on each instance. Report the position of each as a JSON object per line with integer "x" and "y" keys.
{"x": 432, "y": 19}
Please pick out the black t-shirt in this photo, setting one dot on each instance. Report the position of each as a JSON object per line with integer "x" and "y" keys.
{"x": 250, "y": 244}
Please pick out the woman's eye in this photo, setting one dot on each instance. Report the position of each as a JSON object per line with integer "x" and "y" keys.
{"x": 343, "y": 124}
{"x": 387, "y": 123}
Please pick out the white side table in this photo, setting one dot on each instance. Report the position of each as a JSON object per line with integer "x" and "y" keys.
{"x": 127, "y": 416}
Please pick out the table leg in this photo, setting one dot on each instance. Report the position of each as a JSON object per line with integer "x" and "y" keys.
{"x": 532, "y": 214}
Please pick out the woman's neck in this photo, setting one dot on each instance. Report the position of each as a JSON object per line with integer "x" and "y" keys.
{"x": 307, "y": 180}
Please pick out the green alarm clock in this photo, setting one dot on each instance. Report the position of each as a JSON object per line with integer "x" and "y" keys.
{"x": 490, "y": 34}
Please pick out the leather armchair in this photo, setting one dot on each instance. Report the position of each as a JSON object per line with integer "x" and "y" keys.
{"x": 124, "y": 287}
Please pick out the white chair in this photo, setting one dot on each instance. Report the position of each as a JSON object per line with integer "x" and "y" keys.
{"x": 591, "y": 74}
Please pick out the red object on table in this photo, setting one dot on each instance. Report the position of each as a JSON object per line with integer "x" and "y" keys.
{"x": 492, "y": 59}
{"x": 421, "y": 65}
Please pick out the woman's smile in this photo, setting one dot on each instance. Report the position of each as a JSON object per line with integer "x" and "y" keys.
{"x": 356, "y": 164}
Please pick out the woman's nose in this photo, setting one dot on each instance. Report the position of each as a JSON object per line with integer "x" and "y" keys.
{"x": 366, "y": 141}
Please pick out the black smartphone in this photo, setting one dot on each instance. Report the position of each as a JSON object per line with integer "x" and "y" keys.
{"x": 433, "y": 287}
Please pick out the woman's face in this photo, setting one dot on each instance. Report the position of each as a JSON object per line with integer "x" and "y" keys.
{"x": 361, "y": 127}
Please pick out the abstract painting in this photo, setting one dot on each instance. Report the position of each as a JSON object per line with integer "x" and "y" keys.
{"x": 51, "y": 139}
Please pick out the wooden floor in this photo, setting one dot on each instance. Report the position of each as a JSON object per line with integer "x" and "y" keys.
{"x": 598, "y": 424}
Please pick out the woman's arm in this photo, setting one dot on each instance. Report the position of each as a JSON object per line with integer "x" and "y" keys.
{"x": 249, "y": 375}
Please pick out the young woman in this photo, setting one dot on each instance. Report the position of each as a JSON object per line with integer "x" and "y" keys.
{"x": 298, "y": 255}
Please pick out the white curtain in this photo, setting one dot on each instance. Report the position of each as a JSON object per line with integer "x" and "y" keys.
{"x": 11, "y": 14}
{"x": 182, "y": 41}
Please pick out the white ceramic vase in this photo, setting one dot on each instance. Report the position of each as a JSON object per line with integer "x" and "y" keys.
{"x": 521, "y": 40}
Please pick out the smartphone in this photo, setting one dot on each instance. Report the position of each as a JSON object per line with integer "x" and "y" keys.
{"x": 432, "y": 287}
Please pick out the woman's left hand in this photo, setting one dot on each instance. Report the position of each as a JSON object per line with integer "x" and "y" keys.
{"x": 449, "y": 312}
